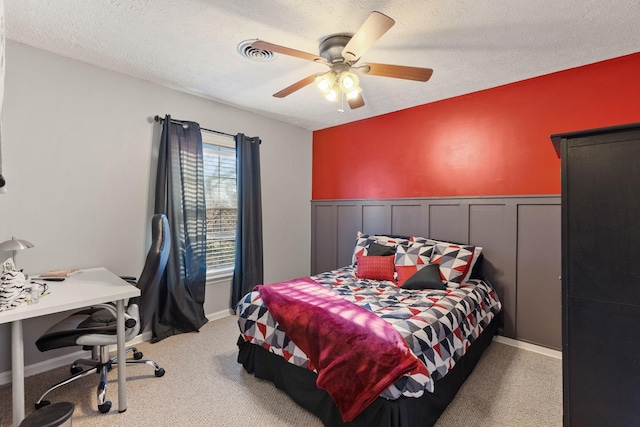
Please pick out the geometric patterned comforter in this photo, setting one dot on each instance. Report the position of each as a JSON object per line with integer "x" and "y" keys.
{"x": 438, "y": 325}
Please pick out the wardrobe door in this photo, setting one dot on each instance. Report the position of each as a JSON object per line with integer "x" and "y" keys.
{"x": 601, "y": 277}
{"x": 604, "y": 374}
{"x": 603, "y": 208}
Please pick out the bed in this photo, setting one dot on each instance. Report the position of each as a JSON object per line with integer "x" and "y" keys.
{"x": 442, "y": 312}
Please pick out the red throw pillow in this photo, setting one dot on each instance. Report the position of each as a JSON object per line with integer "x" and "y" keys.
{"x": 404, "y": 272}
{"x": 376, "y": 268}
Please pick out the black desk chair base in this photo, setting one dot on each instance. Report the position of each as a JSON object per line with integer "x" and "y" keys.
{"x": 102, "y": 364}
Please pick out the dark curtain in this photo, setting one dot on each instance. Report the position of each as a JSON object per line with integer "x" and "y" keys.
{"x": 248, "y": 270}
{"x": 180, "y": 196}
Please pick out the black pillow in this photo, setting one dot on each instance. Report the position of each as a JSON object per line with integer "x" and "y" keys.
{"x": 428, "y": 277}
{"x": 376, "y": 249}
{"x": 476, "y": 273}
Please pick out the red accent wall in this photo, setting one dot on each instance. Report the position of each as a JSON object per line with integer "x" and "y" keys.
{"x": 493, "y": 142}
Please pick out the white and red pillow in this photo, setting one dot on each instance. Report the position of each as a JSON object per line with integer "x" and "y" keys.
{"x": 415, "y": 240}
{"x": 454, "y": 261}
{"x": 364, "y": 240}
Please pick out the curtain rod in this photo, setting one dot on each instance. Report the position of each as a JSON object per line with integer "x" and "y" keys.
{"x": 161, "y": 119}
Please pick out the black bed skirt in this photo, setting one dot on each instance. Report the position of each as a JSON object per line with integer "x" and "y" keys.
{"x": 300, "y": 384}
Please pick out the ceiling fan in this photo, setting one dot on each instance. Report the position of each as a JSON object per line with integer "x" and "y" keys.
{"x": 340, "y": 52}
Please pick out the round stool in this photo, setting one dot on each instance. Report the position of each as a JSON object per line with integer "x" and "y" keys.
{"x": 56, "y": 415}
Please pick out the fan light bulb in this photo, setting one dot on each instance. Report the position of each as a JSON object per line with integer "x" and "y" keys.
{"x": 325, "y": 82}
{"x": 354, "y": 93}
{"x": 333, "y": 93}
{"x": 348, "y": 82}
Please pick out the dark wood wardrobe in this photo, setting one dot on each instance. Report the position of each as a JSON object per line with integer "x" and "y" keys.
{"x": 601, "y": 275}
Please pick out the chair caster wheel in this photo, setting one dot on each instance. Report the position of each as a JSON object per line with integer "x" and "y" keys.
{"x": 76, "y": 370}
{"x": 105, "y": 407}
{"x": 137, "y": 355}
{"x": 42, "y": 404}
{"x": 159, "y": 372}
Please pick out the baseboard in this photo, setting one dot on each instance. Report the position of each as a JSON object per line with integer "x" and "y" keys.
{"x": 219, "y": 314}
{"x": 46, "y": 365}
{"x": 528, "y": 346}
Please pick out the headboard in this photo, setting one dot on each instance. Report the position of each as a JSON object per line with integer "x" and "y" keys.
{"x": 520, "y": 236}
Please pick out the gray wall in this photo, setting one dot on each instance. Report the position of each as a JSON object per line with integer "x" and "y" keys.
{"x": 80, "y": 154}
{"x": 520, "y": 237}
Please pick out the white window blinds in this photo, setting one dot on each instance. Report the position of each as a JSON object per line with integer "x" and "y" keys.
{"x": 221, "y": 199}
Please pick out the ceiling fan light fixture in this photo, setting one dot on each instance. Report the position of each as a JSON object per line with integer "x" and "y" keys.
{"x": 354, "y": 93}
{"x": 348, "y": 82}
{"x": 326, "y": 82}
{"x": 334, "y": 93}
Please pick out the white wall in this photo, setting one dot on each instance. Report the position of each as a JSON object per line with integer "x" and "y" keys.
{"x": 79, "y": 156}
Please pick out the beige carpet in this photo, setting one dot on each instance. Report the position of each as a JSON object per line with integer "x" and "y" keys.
{"x": 205, "y": 386}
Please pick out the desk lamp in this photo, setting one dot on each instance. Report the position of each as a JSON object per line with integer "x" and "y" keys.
{"x": 14, "y": 245}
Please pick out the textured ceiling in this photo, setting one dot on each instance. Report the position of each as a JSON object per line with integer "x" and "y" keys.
{"x": 191, "y": 45}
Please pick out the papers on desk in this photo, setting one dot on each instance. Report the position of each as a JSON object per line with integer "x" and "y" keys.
{"x": 57, "y": 273}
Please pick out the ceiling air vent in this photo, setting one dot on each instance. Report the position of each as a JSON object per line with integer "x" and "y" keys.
{"x": 254, "y": 54}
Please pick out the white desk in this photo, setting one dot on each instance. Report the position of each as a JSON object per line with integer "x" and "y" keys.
{"x": 91, "y": 286}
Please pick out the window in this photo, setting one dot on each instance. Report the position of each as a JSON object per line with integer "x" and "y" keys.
{"x": 219, "y": 158}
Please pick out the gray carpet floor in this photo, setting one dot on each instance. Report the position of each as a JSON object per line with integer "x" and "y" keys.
{"x": 205, "y": 386}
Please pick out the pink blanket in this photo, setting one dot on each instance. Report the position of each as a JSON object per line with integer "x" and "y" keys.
{"x": 357, "y": 354}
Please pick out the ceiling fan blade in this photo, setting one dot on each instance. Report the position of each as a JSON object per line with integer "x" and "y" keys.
{"x": 260, "y": 44}
{"x": 397, "y": 71}
{"x": 297, "y": 85}
{"x": 373, "y": 28}
{"x": 356, "y": 102}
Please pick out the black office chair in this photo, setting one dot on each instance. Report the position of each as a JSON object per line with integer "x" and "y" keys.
{"x": 94, "y": 328}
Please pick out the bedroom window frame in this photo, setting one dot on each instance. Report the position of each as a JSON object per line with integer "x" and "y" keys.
{"x": 217, "y": 148}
